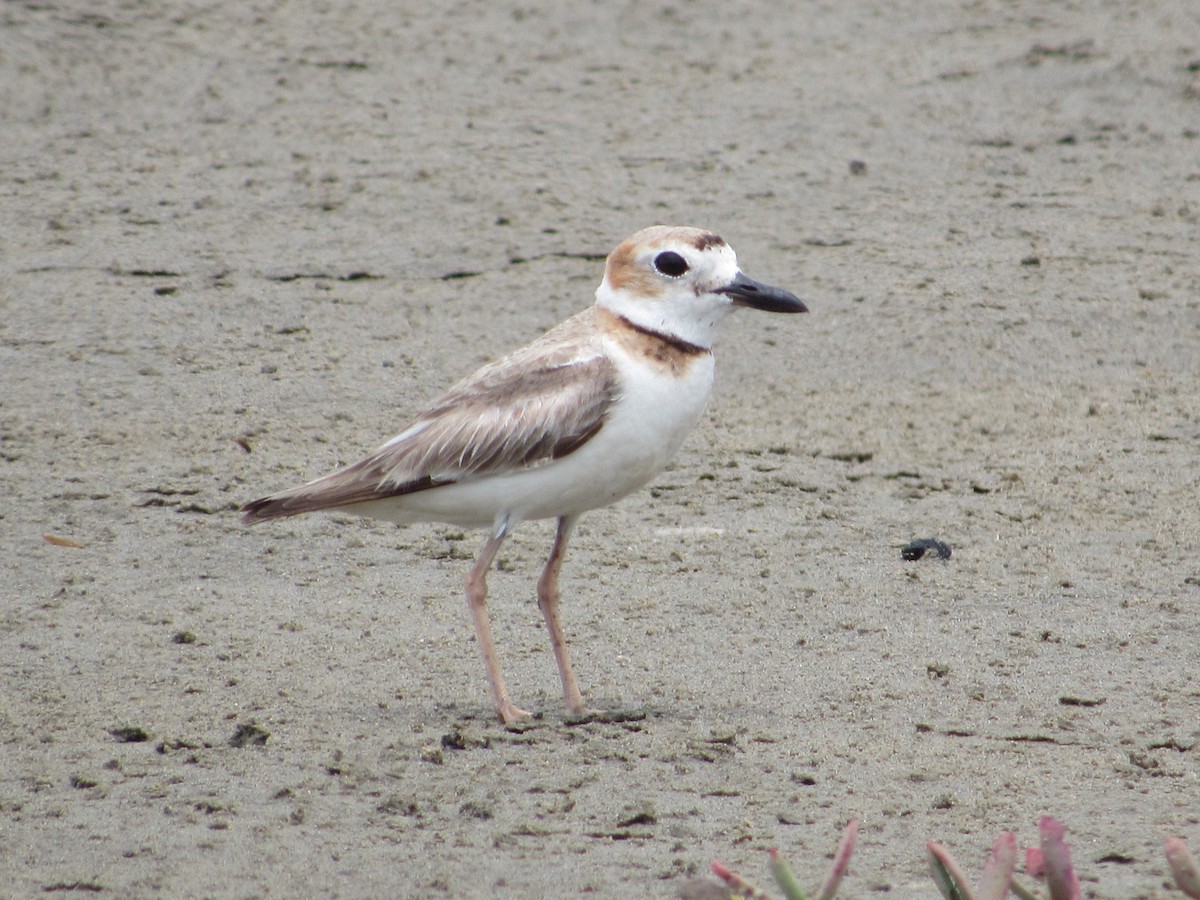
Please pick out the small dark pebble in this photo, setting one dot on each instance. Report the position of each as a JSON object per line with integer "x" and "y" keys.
{"x": 914, "y": 550}
{"x": 858, "y": 167}
{"x": 399, "y": 806}
{"x": 456, "y": 740}
{"x": 130, "y": 734}
{"x": 637, "y": 815}
{"x": 248, "y": 734}
{"x": 475, "y": 810}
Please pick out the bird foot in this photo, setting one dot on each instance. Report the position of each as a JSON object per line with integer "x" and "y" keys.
{"x": 509, "y": 713}
{"x": 582, "y": 713}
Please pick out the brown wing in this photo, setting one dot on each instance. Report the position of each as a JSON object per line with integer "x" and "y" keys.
{"x": 503, "y": 418}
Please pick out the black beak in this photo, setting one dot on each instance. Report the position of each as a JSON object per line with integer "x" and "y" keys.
{"x": 756, "y": 295}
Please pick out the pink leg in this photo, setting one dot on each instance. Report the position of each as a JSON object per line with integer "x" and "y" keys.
{"x": 507, "y": 711}
{"x": 548, "y": 601}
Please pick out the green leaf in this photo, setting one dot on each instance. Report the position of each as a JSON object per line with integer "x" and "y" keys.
{"x": 785, "y": 879}
{"x": 946, "y": 876}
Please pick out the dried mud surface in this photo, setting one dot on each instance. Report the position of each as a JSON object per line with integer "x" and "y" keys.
{"x": 240, "y": 242}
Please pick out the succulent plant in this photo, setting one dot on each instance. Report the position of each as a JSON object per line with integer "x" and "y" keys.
{"x": 787, "y": 881}
{"x": 1050, "y": 860}
{"x": 997, "y": 871}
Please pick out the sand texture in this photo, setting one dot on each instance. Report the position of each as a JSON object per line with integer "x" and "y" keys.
{"x": 241, "y": 242}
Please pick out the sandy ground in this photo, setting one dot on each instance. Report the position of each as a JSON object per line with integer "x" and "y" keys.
{"x": 240, "y": 242}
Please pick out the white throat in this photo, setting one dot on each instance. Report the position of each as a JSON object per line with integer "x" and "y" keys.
{"x": 689, "y": 318}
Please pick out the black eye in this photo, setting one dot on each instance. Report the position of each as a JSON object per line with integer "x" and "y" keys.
{"x": 670, "y": 263}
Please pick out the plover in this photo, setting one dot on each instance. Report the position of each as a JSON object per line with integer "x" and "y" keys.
{"x": 587, "y": 413}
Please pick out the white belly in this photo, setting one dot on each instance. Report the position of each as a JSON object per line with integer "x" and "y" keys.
{"x": 643, "y": 431}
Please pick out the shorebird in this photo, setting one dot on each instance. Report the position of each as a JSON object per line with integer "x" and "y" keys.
{"x": 584, "y": 415}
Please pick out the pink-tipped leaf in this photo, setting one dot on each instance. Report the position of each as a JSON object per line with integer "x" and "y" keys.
{"x": 748, "y": 888}
{"x": 1183, "y": 869}
{"x": 998, "y": 870}
{"x": 1035, "y": 866}
{"x": 1056, "y": 856}
{"x": 947, "y": 876}
{"x": 841, "y": 862}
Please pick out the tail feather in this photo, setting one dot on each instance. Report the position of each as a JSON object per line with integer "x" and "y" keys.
{"x": 265, "y": 508}
{"x": 338, "y": 490}
{"x": 294, "y": 502}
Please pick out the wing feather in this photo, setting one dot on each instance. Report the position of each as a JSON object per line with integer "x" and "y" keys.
{"x": 516, "y": 414}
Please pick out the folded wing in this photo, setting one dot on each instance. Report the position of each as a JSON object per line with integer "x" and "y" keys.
{"x": 502, "y": 419}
